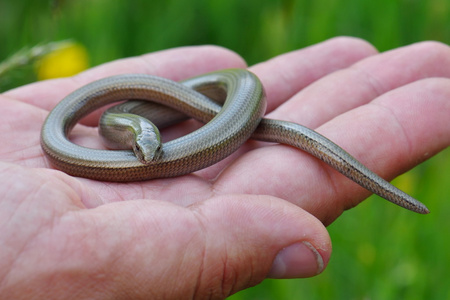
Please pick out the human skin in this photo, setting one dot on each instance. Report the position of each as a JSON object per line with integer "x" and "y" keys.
{"x": 257, "y": 214}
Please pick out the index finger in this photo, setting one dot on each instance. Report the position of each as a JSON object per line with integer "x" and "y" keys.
{"x": 175, "y": 64}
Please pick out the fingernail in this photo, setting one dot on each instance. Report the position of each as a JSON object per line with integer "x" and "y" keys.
{"x": 296, "y": 261}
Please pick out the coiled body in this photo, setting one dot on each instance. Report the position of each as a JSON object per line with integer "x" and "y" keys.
{"x": 227, "y": 127}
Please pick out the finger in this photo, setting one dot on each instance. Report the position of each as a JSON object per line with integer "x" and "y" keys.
{"x": 397, "y": 131}
{"x": 361, "y": 83}
{"x": 176, "y": 64}
{"x": 287, "y": 74}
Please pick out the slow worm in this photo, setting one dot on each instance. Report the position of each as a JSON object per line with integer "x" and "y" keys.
{"x": 226, "y": 128}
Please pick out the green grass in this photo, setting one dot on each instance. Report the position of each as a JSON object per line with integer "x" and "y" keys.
{"x": 380, "y": 251}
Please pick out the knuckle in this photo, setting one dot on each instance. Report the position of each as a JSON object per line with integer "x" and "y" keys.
{"x": 433, "y": 49}
{"x": 354, "y": 44}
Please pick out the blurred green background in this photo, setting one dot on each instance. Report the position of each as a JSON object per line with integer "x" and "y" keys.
{"x": 380, "y": 251}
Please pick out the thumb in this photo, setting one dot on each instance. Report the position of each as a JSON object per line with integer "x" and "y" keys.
{"x": 208, "y": 250}
{"x": 248, "y": 238}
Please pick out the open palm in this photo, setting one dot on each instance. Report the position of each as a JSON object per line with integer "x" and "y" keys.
{"x": 258, "y": 213}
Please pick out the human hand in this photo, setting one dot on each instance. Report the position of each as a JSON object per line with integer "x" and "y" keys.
{"x": 205, "y": 235}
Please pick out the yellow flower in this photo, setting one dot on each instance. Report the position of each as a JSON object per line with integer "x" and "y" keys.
{"x": 63, "y": 62}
